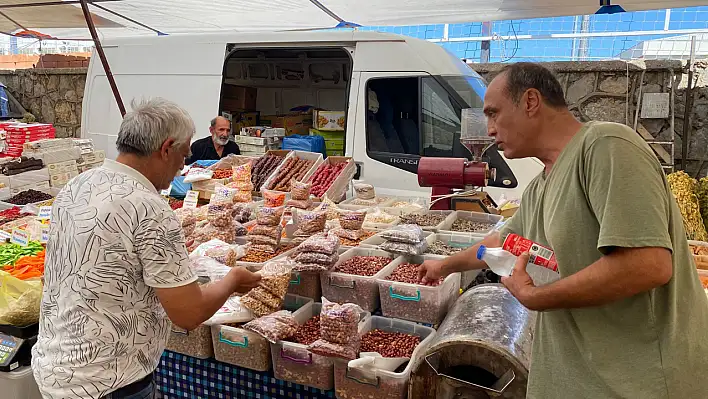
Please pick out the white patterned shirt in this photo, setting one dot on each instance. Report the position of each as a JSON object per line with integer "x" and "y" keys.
{"x": 112, "y": 240}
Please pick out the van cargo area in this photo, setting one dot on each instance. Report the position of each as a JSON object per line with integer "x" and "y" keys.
{"x": 278, "y": 88}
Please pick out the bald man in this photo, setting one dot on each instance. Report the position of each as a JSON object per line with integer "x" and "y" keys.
{"x": 217, "y": 146}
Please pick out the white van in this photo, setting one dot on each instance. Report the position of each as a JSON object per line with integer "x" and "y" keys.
{"x": 402, "y": 96}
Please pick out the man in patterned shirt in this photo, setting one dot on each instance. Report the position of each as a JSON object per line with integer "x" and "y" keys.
{"x": 117, "y": 262}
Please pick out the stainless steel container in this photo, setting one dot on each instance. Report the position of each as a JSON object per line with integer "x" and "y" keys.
{"x": 482, "y": 349}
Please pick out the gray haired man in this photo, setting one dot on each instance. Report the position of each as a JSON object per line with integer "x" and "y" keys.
{"x": 117, "y": 269}
{"x": 217, "y": 145}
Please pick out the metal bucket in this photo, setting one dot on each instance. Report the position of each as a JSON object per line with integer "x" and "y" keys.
{"x": 482, "y": 349}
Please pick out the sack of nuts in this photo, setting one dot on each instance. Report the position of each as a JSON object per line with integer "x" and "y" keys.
{"x": 300, "y": 191}
{"x": 408, "y": 233}
{"x": 268, "y": 297}
{"x": 339, "y": 329}
{"x": 275, "y": 326}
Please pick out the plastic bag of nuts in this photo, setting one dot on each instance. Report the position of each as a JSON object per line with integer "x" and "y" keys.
{"x": 321, "y": 243}
{"x": 404, "y": 248}
{"x": 273, "y": 199}
{"x": 268, "y": 231}
{"x": 318, "y": 258}
{"x": 348, "y": 234}
{"x": 270, "y": 216}
{"x": 220, "y": 214}
{"x": 339, "y": 329}
{"x": 241, "y": 213}
{"x": 300, "y": 191}
{"x": 409, "y": 233}
{"x": 364, "y": 191}
{"x": 263, "y": 240}
{"x": 310, "y": 222}
{"x": 275, "y": 326}
{"x": 269, "y": 295}
{"x": 352, "y": 220}
{"x": 299, "y": 204}
{"x": 222, "y": 194}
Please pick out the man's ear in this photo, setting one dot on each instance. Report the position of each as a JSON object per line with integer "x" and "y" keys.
{"x": 532, "y": 101}
{"x": 166, "y": 147}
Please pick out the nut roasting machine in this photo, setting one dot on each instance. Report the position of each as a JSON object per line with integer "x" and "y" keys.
{"x": 453, "y": 179}
{"x": 481, "y": 350}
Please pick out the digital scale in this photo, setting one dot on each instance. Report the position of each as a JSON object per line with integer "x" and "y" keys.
{"x": 16, "y": 346}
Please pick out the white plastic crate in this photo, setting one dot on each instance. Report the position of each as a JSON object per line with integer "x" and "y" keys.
{"x": 196, "y": 343}
{"x": 310, "y": 156}
{"x": 353, "y": 383}
{"x": 449, "y": 215}
{"x": 360, "y": 290}
{"x": 494, "y": 220}
{"x": 244, "y": 348}
{"x": 294, "y": 363}
{"x": 415, "y": 302}
{"x": 457, "y": 240}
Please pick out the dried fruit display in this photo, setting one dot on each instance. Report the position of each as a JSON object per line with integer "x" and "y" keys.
{"x": 263, "y": 167}
{"x": 294, "y": 168}
{"x": 324, "y": 177}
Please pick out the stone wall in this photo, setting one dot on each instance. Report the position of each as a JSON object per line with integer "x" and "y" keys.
{"x": 609, "y": 91}
{"x": 51, "y": 95}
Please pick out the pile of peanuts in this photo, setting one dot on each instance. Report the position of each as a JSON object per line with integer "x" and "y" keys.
{"x": 389, "y": 344}
{"x": 408, "y": 273}
{"x": 308, "y": 332}
{"x": 363, "y": 265}
{"x": 355, "y": 243}
{"x": 256, "y": 256}
{"x": 222, "y": 174}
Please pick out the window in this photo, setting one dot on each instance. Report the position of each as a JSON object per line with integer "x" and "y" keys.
{"x": 419, "y": 116}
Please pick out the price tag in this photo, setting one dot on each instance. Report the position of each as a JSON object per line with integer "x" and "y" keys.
{"x": 191, "y": 199}
{"x": 20, "y": 237}
{"x": 4, "y": 235}
{"x": 45, "y": 235}
{"x": 45, "y": 213}
{"x": 166, "y": 193}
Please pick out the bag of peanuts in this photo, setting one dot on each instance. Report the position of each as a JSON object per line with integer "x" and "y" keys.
{"x": 409, "y": 233}
{"x": 220, "y": 214}
{"x": 269, "y": 216}
{"x": 364, "y": 191}
{"x": 352, "y": 220}
{"x": 299, "y": 204}
{"x": 328, "y": 206}
{"x": 327, "y": 244}
{"x": 275, "y": 326}
{"x": 404, "y": 248}
{"x": 241, "y": 213}
{"x": 339, "y": 330}
{"x": 268, "y": 297}
{"x": 348, "y": 234}
{"x": 300, "y": 191}
{"x": 309, "y": 223}
{"x": 268, "y": 231}
{"x": 263, "y": 240}
{"x": 222, "y": 194}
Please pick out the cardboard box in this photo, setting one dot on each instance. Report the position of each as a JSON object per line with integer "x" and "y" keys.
{"x": 93, "y": 157}
{"x": 329, "y": 120}
{"x": 293, "y": 124}
{"x": 60, "y": 180}
{"x": 235, "y": 98}
{"x": 62, "y": 167}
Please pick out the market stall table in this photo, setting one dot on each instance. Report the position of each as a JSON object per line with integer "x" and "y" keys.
{"x": 181, "y": 376}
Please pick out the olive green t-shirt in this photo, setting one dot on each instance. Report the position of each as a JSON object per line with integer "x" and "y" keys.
{"x": 607, "y": 189}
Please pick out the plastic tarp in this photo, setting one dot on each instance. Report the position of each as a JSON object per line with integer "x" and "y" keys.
{"x": 190, "y": 16}
{"x": 305, "y": 143}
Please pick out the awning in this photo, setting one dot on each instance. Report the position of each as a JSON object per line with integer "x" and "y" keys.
{"x": 114, "y": 18}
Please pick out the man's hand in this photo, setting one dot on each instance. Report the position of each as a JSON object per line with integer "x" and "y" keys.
{"x": 520, "y": 283}
{"x": 430, "y": 271}
{"x": 243, "y": 280}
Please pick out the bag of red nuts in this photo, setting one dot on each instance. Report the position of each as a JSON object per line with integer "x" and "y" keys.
{"x": 339, "y": 329}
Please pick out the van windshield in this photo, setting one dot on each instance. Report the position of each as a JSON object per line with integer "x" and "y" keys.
{"x": 470, "y": 89}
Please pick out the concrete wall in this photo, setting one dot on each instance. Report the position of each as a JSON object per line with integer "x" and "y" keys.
{"x": 609, "y": 90}
{"x": 51, "y": 95}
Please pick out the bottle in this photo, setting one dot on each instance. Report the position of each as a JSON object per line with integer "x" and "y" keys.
{"x": 499, "y": 260}
{"x": 538, "y": 254}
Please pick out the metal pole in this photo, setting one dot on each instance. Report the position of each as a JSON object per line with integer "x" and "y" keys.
{"x": 486, "y": 45}
{"x": 688, "y": 103}
{"x": 102, "y": 56}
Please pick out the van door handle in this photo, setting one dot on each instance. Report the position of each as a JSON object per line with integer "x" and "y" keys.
{"x": 359, "y": 167}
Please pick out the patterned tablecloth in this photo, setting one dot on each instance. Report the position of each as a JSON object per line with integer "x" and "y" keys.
{"x": 181, "y": 376}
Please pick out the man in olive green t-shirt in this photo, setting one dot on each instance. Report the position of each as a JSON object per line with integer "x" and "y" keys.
{"x": 628, "y": 318}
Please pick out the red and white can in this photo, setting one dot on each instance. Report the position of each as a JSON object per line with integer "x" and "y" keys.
{"x": 540, "y": 255}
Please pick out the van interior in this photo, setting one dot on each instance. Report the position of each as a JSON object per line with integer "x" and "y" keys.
{"x": 272, "y": 81}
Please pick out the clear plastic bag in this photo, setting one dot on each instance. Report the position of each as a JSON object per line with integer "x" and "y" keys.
{"x": 227, "y": 255}
{"x": 230, "y": 312}
{"x": 339, "y": 323}
{"x": 268, "y": 231}
{"x": 198, "y": 174}
{"x": 270, "y": 293}
{"x": 209, "y": 231}
{"x": 186, "y": 216}
{"x": 264, "y": 248}
{"x": 273, "y": 199}
{"x": 188, "y": 230}
{"x": 257, "y": 307}
{"x": 321, "y": 243}
{"x": 241, "y": 178}
{"x": 19, "y": 300}
{"x": 241, "y": 213}
{"x": 310, "y": 222}
{"x": 300, "y": 191}
{"x": 348, "y": 234}
{"x": 331, "y": 349}
{"x": 404, "y": 248}
{"x": 352, "y": 220}
{"x": 263, "y": 240}
{"x": 202, "y": 248}
{"x": 270, "y": 216}
{"x": 222, "y": 194}
{"x": 318, "y": 258}
{"x": 239, "y": 229}
{"x": 328, "y": 206}
{"x": 274, "y": 327}
{"x": 220, "y": 214}
{"x": 379, "y": 216}
{"x": 299, "y": 204}
{"x": 409, "y": 233}
{"x": 364, "y": 191}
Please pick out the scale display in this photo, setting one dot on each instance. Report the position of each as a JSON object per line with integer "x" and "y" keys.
{"x": 12, "y": 352}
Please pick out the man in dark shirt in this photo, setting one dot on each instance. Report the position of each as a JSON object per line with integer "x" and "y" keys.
{"x": 217, "y": 146}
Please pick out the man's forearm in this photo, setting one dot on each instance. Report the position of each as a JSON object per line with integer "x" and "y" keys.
{"x": 611, "y": 278}
{"x": 467, "y": 259}
{"x": 213, "y": 297}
